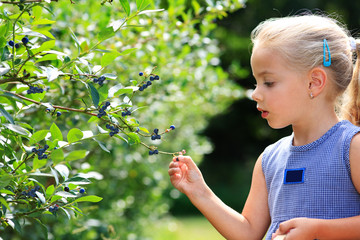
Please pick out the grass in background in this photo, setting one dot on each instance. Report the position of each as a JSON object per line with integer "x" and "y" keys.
{"x": 184, "y": 228}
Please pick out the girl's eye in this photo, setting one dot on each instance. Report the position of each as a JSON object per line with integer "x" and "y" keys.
{"x": 269, "y": 84}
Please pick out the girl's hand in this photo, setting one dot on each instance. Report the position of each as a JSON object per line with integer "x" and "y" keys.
{"x": 297, "y": 229}
{"x": 185, "y": 175}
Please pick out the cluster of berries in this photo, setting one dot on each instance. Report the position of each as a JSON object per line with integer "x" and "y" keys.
{"x": 155, "y": 135}
{"x": 31, "y": 193}
{"x": 24, "y": 40}
{"x": 153, "y": 152}
{"x": 99, "y": 80}
{"x": 41, "y": 152}
{"x": 54, "y": 209}
{"x": 148, "y": 83}
{"x": 126, "y": 113}
{"x": 102, "y": 110}
{"x": 34, "y": 90}
{"x": 113, "y": 129}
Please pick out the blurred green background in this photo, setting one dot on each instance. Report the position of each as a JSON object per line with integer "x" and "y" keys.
{"x": 203, "y": 62}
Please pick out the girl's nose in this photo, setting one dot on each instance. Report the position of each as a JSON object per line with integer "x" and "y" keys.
{"x": 256, "y": 96}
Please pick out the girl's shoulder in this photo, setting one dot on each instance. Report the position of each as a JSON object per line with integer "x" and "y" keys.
{"x": 354, "y": 159}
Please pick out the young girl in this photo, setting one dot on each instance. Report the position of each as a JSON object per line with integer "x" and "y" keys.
{"x": 305, "y": 186}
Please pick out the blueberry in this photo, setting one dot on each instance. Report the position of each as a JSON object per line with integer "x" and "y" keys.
{"x": 95, "y": 80}
{"x": 172, "y": 127}
{"x": 153, "y": 137}
{"x": 151, "y": 152}
{"x": 156, "y": 151}
{"x": 11, "y": 43}
{"x": 141, "y": 73}
{"x": 108, "y": 126}
{"x": 128, "y": 113}
{"x": 28, "y": 91}
{"x": 137, "y": 129}
{"x": 141, "y": 88}
{"x": 102, "y": 79}
{"x": 58, "y": 114}
{"x": 148, "y": 83}
{"x": 156, "y": 77}
{"x": 17, "y": 45}
{"x": 51, "y": 209}
{"x": 37, "y": 188}
{"x": 25, "y": 40}
{"x": 66, "y": 189}
{"x": 158, "y": 136}
{"x": 82, "y": 190}
{"x": 151, "y": 78}
{"x": 156, "y": 131}
{"x": 107, "y": 104}
{"x": 34, "y": 150}
{"x": 46, "y": 146}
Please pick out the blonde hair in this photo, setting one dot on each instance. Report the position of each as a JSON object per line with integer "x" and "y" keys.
{"x": 299, "y": 39}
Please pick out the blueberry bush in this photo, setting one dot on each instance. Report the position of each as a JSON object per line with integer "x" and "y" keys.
{"x": 95, "y": 99}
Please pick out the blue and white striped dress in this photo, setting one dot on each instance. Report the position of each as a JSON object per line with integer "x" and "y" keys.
{"x": 313, "y": 180}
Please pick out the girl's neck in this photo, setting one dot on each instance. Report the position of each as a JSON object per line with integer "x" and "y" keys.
{"x": 312, "y": 129}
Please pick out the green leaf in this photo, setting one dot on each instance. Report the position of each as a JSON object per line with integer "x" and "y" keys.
{"x": 3, "y": 202}
{"x": 45, "y": 46}
{"x": 75, "y": 155}
{"x": 126, "y": 6}
{"x": 142, "y": 4}
{"x": 91, "y": 198}
{"x": 94, "y": 95}
{"x": 38, "y": 163}
{"x": 8, "y": 192}
{"x": 40, "y": 196}
{"x": 15, "y": 224}
{"x": 6, "y": 114}
{"x": 57, "y": 156}
{"x": 133, "y": 138}
{"x": 126, "y": 90}
{"x": 127, "y": 51}
{"x": 5, "y": 180}
{"x": 55, "y": 132}
{"x": 55, "y": 198}
{"x": 36, "y": 12}
{"x": 65, "y": 194}
{"x": 17, "y": 129}
{"x": 109, "y": 57}
{"x": 102, "y": 146}
{"x": 38, "y": 136}
{"x": 50, "y": 190}
{"x": 78, "y": 180}
{"x": 73, "y": 36}
{"x": 42, "y": 21}
{"x": 74, "y": 135}
{"x": 106, "y": 33}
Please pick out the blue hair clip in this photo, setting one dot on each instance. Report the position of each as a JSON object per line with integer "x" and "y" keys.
{"x": 327, "y": 63}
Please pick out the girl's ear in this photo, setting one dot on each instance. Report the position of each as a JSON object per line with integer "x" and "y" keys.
{"x": 317, "y": 81}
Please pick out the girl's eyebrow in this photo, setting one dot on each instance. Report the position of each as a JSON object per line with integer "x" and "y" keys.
{"x": 265, "y": 72}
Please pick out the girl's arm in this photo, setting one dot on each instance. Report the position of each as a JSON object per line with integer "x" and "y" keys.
{"x": 344, "y": 228}
{"x": 251, "y": 224}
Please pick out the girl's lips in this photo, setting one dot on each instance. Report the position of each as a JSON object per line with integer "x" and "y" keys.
{"x": 264, "y": 114}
